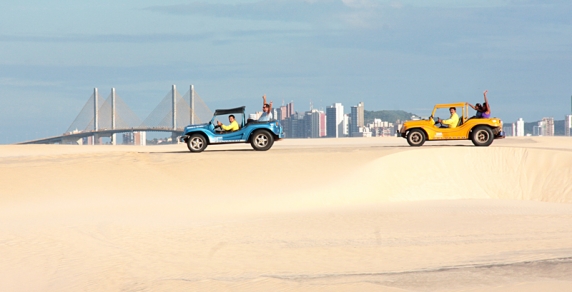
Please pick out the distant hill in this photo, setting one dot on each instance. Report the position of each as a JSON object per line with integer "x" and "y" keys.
{"x": 387, "y": 115}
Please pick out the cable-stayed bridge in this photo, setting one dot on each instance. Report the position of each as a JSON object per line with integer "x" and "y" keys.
{"x": 105, "y": 118}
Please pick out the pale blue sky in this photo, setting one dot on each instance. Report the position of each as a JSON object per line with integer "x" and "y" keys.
{"x": 388, "y": 54}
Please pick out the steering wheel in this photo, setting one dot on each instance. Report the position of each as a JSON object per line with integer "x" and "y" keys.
{"x": 217, "y": 128}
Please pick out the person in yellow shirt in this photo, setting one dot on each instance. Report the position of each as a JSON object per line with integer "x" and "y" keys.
{"x": 233, "y": 126}
{"x": 452, "y": 121}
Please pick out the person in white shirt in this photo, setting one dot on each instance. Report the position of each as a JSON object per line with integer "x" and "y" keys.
{"x": 266, "y": 110}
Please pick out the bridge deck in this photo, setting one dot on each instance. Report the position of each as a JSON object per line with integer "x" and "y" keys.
{"x": 101, "y": 133}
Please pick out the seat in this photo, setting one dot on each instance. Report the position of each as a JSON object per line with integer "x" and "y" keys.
{"x": 460, "y": 121}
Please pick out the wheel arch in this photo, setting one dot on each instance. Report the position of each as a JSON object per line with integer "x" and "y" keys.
{"x": 476, "y": 126}
{"x": 417, "y": 128}
{"x": 202, "y": 133}
{"x": 251, "y": 134}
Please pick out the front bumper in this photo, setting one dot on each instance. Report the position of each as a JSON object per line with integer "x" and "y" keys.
{"x": 499, "y": 133}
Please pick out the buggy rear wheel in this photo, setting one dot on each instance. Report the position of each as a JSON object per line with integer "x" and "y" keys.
{"x": 482, "y": 136}
{"x": 261, "y": 140}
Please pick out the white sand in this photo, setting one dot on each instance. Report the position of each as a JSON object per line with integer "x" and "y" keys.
{"x": 312, "y": 215}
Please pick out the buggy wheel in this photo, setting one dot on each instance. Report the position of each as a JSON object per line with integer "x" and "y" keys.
{"x": 197, "y": 143}
{"x": 482, "y": 136}
{"x": 416, "y": 137}
{"x": 261, "y": 140}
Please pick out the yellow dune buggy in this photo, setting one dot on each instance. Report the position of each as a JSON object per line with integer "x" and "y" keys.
{"x": 481, "y": 131}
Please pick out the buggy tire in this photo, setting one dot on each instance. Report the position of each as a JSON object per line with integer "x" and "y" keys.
{"x": 482, "y": 136}
{"x": 416, "y": 137}
{"x": 197, "y": 143}
{"x": 261, "y": 140}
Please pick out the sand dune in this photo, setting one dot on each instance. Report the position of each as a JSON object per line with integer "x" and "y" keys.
{"x": 311, "y": 215}
{"x": 473, "y": 173}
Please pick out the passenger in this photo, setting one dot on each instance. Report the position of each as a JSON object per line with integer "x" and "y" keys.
{"x": 233, "y": 126}
{"x": 483, "y": 111}
{"x": 486, "y": 108}
{"x": 266, "y": 110}
{"x": 478, "y": 108}
{"x": 452, "y": 121}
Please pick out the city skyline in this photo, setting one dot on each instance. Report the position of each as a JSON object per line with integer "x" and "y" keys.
{"x": 305, "y": 124}
{"x": 347, "y": 114}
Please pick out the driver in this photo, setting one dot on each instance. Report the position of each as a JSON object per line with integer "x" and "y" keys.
{"x": 452, "y": 121}
{"x": 233, "y": 126}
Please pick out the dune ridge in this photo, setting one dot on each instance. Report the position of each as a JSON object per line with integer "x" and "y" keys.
{"x": 471, "y": 173}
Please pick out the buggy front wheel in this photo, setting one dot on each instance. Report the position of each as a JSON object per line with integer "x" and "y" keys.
{"x": 197, "y": 143}
{"x": 416, "y": 137}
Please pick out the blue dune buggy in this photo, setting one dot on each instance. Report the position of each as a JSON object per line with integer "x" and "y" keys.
{"x": 261, "y": 135}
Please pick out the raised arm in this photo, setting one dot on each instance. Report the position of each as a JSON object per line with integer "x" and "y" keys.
{"x": 488, "y": 108}
{"x": 263, "y": 100}
{"x": 270, "y": 108}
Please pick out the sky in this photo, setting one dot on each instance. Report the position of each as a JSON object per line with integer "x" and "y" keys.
{"x": 403, "y": 55}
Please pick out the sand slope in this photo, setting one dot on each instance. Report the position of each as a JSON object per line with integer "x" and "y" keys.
{"x": 313, "y": 215}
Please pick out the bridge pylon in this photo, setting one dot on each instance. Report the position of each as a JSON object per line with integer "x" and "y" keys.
{"x": 113, "y": 113}
{"x": 174, "y": 106}
{"x": 192, "y": 99}
{"x": 95, "y": 110}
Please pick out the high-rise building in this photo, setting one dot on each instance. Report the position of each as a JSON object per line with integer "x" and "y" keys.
{"x": 513, "y": 129}
{"x": 547, "y": 126}
{"x": 323, "y": 119}
{"x": 568, "y": 125}
{"x": 140, "y": 138}
{"x": 281, "y": 115}
{"x": 356, "y": 119}
{"x": 346, "y": 125}
{"x": 315, "y": 124}
{"x": 519, "y": 128}
{"x": 331, "y": 126}
{"x": 285, "y": 111}
{"x": 294, "y": 126}
{"x": 135, "y": 138}
{"x": 334, "y": 119}
{"x": 127, "y": 139}
{"x": 286, "y": 127}
{"x": 537, "y": 130}
{"x": 289, "y": 109}
{"x": 308, "y": 125}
